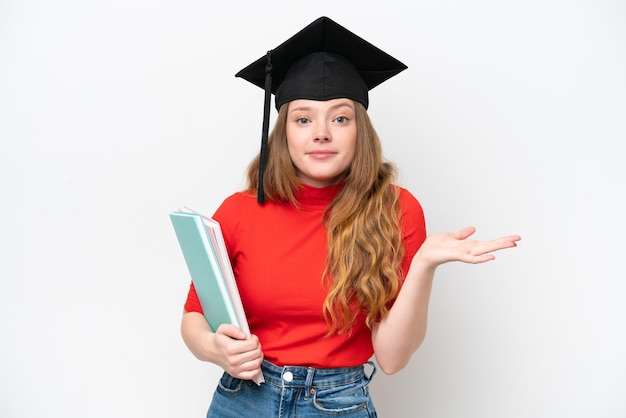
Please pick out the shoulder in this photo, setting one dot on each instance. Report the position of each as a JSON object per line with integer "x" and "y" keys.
{"x": 408, "y": 202}
{"x": 238, "y": 200}
{"x": 243, "y": 207}
{"x": 412, "y": 219}
{"x": 234, "y": 206}
{"x": 233, "y": 214}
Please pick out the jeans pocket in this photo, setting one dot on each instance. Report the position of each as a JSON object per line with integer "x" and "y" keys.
{"x": 230, "y": 386}
{"x": 343, "y": 400}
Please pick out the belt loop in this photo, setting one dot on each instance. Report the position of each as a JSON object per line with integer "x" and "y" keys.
{"x": 309, "y": 382}
{"x": 371, "y": 376}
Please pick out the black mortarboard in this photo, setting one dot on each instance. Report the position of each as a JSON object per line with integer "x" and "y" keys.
{"x": 321, "y": 62}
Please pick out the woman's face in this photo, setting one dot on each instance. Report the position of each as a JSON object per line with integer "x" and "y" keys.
{"x": 321, "y": 137}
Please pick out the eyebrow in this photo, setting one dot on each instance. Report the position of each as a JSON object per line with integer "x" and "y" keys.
{"x": 334, "y": 107}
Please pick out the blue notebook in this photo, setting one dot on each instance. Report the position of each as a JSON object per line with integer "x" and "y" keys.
{"x": 205, "y": 254}
{"x": 203, "y": 248}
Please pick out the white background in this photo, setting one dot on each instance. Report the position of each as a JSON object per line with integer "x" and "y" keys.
{"x": 511, "y": 117}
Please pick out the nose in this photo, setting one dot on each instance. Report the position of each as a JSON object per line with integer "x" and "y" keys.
{"x": 321, "y": 133}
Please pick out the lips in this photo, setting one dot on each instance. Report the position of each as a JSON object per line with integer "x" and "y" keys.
{"x": 321, "y": 154}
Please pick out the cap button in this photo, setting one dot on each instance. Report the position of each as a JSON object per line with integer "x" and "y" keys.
{"x": 287, "y": 376}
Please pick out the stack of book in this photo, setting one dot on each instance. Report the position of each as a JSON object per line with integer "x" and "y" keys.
{"x": 205, "y": 254}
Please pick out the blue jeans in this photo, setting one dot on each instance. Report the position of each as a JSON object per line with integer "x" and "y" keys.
{"x": 295, "y": 392}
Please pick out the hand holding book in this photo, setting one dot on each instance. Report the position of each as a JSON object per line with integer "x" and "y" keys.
{"x": 205, "y": 254}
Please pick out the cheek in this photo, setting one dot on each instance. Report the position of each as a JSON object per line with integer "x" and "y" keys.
{"x": 292, "y": 149}
{"x": 295, "y": 143}
{"x": 294, "y": 155}
{"x": 352, "y": 149}
{"x": 291, "y": 141}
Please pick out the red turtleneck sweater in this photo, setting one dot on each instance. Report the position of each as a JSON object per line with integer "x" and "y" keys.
{"x": 278, "y": 254}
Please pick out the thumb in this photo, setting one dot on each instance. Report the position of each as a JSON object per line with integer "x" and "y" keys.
{"x": 464, "y": 233}
{"x": 231, "y": 331}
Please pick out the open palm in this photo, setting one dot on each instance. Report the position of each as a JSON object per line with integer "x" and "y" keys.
{"x": 442, "y": 248}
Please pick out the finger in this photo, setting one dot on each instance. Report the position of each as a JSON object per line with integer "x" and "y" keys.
{"x": 486, "y": 247}
{"x": 509, "y": 239}
{"x": 246, "y": 361}
{"x": 249, "y": 374}
{"x": 506, "y": 242}
{"x": 464, "y": 233}
{"x": 242, "y": 350}
{"x": 253, "y": 364}
{"x": 482, "y": 258}
{"x": 249, "y": 362}
{"x": 231, "y": 331}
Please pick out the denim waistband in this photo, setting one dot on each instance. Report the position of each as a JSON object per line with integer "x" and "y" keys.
{"x": 301, "y": 376}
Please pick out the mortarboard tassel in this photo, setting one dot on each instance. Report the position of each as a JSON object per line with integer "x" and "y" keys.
{"x": 266, "y": 126}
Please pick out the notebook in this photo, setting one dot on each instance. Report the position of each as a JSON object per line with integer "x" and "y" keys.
{"x": 202, "y": 244}
{"x": 203, "y": 248}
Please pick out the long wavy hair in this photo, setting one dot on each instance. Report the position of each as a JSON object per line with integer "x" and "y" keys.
{"x": 364, "y": 249}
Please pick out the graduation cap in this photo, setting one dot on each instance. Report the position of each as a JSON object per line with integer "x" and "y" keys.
{"x": 323, "y": 61}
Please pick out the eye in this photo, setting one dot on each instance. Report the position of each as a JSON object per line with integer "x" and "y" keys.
{"x": 341, "y": 119}
{"x": 302, "y": 121}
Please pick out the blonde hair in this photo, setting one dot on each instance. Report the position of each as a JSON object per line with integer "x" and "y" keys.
{"x": 364, "y": 238}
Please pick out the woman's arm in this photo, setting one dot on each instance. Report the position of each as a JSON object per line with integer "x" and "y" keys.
{"x": 400, "y": 333}
{"x": 228, "y": 347}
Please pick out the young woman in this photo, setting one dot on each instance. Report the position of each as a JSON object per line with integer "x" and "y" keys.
{"x": 330, "y": 256}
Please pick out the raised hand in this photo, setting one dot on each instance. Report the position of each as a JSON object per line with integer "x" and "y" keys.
{"x": 442, "y": 248}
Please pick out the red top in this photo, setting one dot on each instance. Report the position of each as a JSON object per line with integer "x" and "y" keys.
{"x": 278, "y": 254}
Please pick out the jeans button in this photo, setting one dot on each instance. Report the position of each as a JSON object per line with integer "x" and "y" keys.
{"x": 287, "y": 376}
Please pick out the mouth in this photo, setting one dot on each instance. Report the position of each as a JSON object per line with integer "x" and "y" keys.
{"x": 321, "y": 154}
